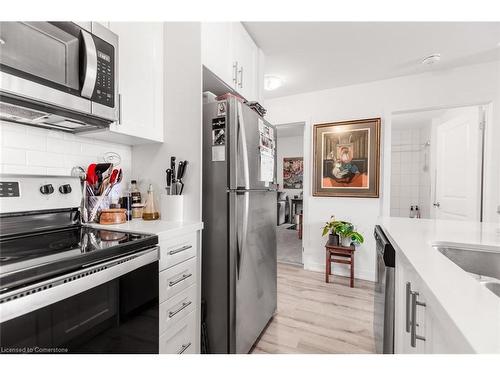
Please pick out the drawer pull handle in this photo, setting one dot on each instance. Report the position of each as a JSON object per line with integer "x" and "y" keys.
{"x": 183, "y": 248}
{"x": 184, "y": 348}
{"x": 182, "y": 278}
{"x": 413, "y": 334}
{"x": 183, "y": 306}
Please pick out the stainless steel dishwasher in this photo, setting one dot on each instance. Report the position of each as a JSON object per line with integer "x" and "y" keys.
{"x": 383, "y": 319}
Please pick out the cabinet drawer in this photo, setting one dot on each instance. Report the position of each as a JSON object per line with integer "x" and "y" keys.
{"x": 177, "y": 307}
{"x": 176, "y": 250}
{"x": 177, "y": 278}
{"x": 181, "y": 338}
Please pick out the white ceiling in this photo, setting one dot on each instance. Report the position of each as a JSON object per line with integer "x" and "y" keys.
{"x": 293, "y": 129}
{"x": 312, "y": 56}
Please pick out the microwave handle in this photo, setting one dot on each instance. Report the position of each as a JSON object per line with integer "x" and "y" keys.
{"x": 90, "y": 62}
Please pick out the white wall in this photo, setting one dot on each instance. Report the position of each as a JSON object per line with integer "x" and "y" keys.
{"x": 182, "y": 131}
{"x": 29, "y": 150}
{"x": 457, "y": 87}
{"x": 289, "y": 147}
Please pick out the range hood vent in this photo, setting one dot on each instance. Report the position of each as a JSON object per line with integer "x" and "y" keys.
{"x": 33, "y": 113}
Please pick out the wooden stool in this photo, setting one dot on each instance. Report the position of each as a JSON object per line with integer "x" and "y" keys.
{"x": 339, "y": 254}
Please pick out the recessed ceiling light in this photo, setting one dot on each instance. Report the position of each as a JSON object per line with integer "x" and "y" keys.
{"x": 432, "y": 59}
{"x": 272, "y": 82}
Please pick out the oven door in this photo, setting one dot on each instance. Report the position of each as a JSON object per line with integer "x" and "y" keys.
{"x": 64, "y": 64}
{"x": 113, "y": 315}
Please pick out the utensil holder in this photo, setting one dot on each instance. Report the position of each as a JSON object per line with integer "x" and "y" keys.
{"x": 93, "y": 206}
{"x": 172, "y": 207}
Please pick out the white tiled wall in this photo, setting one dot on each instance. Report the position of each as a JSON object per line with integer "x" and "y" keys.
{"x": 409, "y": 181}
{"x": 29, "y": 150}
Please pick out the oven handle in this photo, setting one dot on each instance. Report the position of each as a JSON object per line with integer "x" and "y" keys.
{"x": 90, "y": 62}
{"x": 22, "y": 301}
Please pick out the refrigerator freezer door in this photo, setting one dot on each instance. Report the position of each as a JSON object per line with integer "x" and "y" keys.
{"x": 253, "y": 286}
{"x": 245, "y": 160}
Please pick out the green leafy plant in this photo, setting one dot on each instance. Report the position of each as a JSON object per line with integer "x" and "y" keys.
{"x": 356, "y": 237}
{"x": 337, "y": 227}
{"x": 344, "y": 229}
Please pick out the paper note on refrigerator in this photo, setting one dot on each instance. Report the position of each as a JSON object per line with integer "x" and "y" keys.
{"x": 266, "y": 167}
{"x": 267, "y": 150}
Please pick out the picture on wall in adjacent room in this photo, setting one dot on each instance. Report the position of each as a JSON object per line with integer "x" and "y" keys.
{"x": 293, "y": 173}
{"x": 347, "y": 159}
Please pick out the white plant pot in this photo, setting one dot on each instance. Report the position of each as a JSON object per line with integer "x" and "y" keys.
{"x": 346, "y": 241}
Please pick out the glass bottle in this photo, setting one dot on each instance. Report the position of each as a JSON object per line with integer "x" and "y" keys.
{"x": 412, "y": 213}
{"x": 150, "y": 210}
{"x": 136, "y": 194}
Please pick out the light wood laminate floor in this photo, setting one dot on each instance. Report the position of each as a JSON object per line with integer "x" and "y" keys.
{"x": 315, "y": 317}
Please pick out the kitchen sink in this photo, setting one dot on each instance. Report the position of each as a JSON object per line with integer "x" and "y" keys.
{"x": 494, "y": 286}
{"x": 482, "y": 262}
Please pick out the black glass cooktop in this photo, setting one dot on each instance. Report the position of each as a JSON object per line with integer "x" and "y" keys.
{"x": 32, "y": 258}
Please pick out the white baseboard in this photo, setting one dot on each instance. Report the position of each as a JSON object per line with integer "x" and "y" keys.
{"x": 341, "y": 270}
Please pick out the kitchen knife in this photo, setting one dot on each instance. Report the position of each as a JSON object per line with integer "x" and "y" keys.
{"x": 172, "y": 167}
{"x": 169, "y": 180}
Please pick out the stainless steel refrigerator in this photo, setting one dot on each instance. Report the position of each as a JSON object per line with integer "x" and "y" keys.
{"x": 239, "y": 215}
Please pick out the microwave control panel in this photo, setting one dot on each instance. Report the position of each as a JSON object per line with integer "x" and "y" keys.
{"x": 104, "y": 90}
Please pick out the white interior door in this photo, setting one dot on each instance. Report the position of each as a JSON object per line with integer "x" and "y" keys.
{"x": 458, "y": 166}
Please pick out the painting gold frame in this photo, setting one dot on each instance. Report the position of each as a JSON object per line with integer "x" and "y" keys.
{"x": 363, "y": 175}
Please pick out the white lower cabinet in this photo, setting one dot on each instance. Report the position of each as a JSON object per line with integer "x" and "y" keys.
{"x": 180, "y": 294}
{"x": 180, "y": 338}
{"x": 421, "y": 324}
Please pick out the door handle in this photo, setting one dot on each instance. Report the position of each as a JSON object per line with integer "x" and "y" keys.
{"x": 408, "y": 297}
{"x": 413, "y": 334}
{"x": 240, "y": 246}
{"x": 241, "y": 77}
{"x": 437, "y": 204}
{"x": 184, "y": 348}
{"x": 182, "y": 278}
{"x": 180, "y": 249}
{"x": 182, "y": 307}
{"x": 235, "y": 73}
{"x": 120, "y": 109}
{"x": 90, "y": 61}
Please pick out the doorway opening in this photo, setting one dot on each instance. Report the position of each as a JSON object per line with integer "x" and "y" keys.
{"x": 290, "y": 207}
{"x": 437, "y": 159}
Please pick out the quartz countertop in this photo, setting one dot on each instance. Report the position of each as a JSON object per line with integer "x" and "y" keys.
{"x": 474, "y": 310}
{"x": 158, "y": 227}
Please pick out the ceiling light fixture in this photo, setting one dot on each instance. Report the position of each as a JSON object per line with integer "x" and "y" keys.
{"x": 272, "y": 82}
{"x": 432, "y": 59}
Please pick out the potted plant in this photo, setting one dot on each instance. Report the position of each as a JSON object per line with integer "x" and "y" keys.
{"x": 342, "y": 232}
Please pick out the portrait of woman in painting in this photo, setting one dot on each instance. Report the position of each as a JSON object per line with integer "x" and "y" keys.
{"x": 347, "y": 158}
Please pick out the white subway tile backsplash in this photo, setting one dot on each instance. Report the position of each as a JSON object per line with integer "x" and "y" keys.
{"x": 30, "y": 150}
{"x": 45, "y": 159}
{"x": 13, "y": 156}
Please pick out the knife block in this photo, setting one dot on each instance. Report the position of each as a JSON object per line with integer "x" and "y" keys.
{"x": 172, "y": 207}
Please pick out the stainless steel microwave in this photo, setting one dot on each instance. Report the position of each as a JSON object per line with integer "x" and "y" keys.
{"x": 61, "y": 75}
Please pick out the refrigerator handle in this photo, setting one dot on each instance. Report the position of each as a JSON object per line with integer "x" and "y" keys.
{"x": 242, "y": 133}
{"x": 240, "y": 242}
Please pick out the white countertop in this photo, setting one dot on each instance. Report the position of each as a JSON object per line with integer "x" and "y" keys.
{"x": 474, "y": 309}
{"x": 157, "y": 227}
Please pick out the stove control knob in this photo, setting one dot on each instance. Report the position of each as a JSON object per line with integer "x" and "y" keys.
{"x": 65, "y": 189}
{"x": 46, "y": 189}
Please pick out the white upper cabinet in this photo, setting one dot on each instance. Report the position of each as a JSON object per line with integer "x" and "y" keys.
{"x": 230, "y": 53}
{"x": 141, "y": 78}
{"x": 216, "y": 50}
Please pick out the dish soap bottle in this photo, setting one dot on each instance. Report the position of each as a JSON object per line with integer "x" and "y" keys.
{"x": 150, "y": 212}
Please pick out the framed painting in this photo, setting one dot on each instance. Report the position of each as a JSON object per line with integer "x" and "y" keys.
{"x": 293, "y": 173}
{"x": 347, "y": 159}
